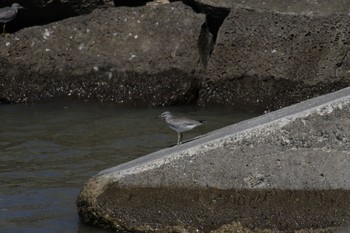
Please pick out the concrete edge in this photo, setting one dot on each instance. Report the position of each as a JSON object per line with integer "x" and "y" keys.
{"x": 319, "y": 105}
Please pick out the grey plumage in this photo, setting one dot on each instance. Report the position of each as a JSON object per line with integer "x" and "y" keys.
{"x": 8, "y": 13}
{"x": 180, "y": 124}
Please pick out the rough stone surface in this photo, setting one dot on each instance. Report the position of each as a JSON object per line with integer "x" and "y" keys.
{"x": 293, "y": 47}
{"x": 272, "y": 57}
{"x": 252, "y": 54}
{"x": 286, "y": 170}
{"x": 125, "y": 55}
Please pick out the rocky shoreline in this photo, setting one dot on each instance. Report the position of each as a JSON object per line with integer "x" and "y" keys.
{"x": 245, "y": 54}
{"x": 290, "y": 166}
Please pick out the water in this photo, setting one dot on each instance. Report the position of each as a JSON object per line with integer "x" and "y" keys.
{"x": 49, "y": 150}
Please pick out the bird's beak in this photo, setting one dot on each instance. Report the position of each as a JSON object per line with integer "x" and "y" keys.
{"x": 157, "y": 117}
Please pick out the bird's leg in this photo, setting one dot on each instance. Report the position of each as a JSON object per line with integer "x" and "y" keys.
{"x": 4, "y": 33}
{"x": 3, "y": 29}
{"x": 179, "y": 138}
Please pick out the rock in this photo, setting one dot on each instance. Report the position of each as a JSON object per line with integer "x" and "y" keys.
{"x": 124, "y": 55}
{"x": 248, "y": 53}
{"x": 272, "y": 58}
{"x": 285, "y": 170}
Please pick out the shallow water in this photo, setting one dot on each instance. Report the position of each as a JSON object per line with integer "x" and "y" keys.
{"x": 49, "y": 150}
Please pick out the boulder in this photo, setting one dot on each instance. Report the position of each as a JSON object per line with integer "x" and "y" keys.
{"x": 126, "y": 55}
{"x": 248, "y": 53}
{"x": 275, "y": 58}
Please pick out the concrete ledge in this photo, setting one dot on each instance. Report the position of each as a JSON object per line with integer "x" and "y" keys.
{"x": 285, "y": 170}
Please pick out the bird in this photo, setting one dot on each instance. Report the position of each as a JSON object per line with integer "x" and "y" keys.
{"x": 8, "y": 13}
{"x": 180, "y": 124}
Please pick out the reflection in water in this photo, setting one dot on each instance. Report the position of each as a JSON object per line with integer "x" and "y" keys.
{"x": 48, "y": 151}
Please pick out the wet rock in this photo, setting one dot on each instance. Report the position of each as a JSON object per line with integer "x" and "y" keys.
{"x": 286, "y": 171}
{"x": 249, "y": 54}
{"x": 125, "y": 55}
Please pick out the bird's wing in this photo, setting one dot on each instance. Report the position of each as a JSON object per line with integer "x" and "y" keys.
{"x": 186, "y": 122}
{"x": 7, "y": 14}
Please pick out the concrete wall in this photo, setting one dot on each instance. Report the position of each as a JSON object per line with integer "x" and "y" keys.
{"x": 285, "y": 170}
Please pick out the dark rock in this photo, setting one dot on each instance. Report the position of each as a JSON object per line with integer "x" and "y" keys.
{"x": 126, "y": 55}
{"x": 42, "y": 12}
{"x": 275, "y": 59}
{"x": 250, "y": 54}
